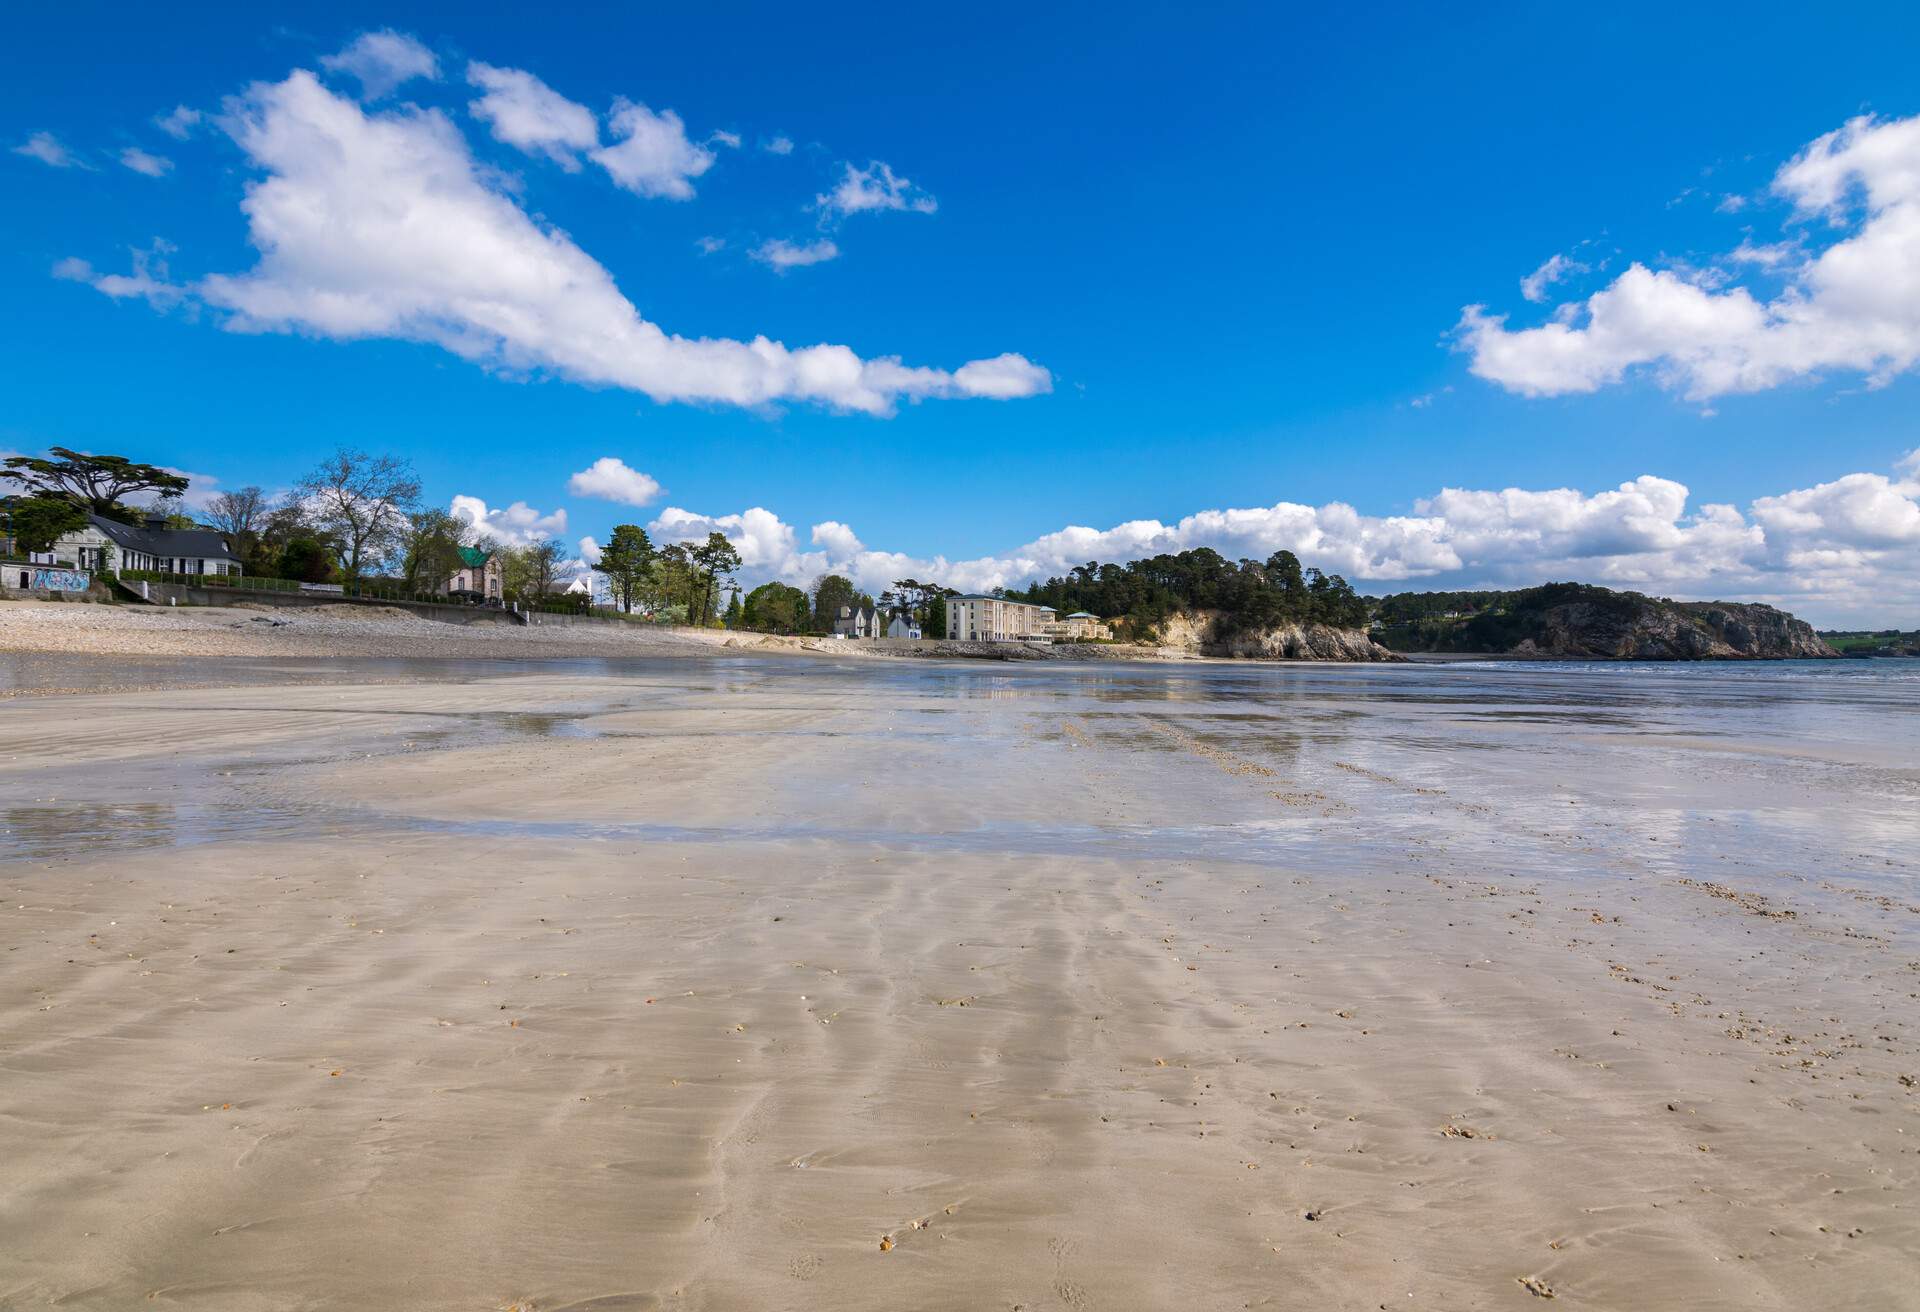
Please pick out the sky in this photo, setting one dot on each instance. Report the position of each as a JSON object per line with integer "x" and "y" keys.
{"x": 1433, "y": 299}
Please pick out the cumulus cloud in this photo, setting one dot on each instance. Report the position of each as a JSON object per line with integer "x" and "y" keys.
{"x": 154, "y": 166}
{"x": 652, "y": 156}
{"x": 179, "y": 122}
{"x": 781, "y": 254}
{"x": 517, "y": 525}
{"x": 380, "y": 225}
{"x": 1841, "y": 552}
{"x": 610, "y": 479}
{"x": 721, "y": 137}
{"x": 526, "y": 113}
{"x": 876, "y": 187}
{"x": 1852, "y": 307}
{"x": 589, "y": 551}
{"x": 778, "y": 145}
{"x": 49, "y": 149}
{"x": 382, "y": 61}
{"x": 1534, "y": 285}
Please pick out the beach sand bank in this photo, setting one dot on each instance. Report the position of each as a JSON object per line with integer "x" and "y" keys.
{"x": 749, "y": 983}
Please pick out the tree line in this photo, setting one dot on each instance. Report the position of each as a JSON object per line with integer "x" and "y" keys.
{"x": 1245, "y": 595}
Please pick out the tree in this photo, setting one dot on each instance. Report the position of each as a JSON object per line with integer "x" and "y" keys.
{"x": 36, "y": 523}
{"x": 934, "y": 625}
{"x": 96, "y": 483}
{"x": 240, "y": 515}
{"x": 430, "y": 550}
{"x": 775, "y": 608}
{"x": 716, "y": 560}
{"x": 306, "y": 560}
{"x": 830, "y": 593}
{"x": 361, "y": 503}
{"x": 733, "y": 616}
{"x": 625, "y": 561}
{"x": 540, "y": 565}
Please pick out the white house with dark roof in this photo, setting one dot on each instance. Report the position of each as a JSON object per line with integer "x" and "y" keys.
{"x": 109, "y": 544}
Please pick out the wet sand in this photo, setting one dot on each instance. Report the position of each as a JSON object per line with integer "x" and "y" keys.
{"x": 757, "y": 983}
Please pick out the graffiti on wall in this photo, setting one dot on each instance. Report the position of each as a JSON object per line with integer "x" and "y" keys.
{"x": 60, "y": 580}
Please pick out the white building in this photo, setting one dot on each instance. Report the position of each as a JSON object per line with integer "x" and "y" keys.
{"x": 857, "y": 622}
{"x": 108, "y": 544}
{"x": 903, "y": 625}
{"x": 997, "y": 619}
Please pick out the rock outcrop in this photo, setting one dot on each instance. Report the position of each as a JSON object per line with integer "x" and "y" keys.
{"x": 1572, "y": 621}
{"x": 1201, "y": 633}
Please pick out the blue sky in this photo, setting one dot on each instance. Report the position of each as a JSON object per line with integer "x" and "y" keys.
{"x": 1222, "y": 260}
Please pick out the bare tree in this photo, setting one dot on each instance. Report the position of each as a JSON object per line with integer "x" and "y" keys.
{"x": 361, "y": 503}
{"x": 239, "y": 513}
{"x": 543, "y": 564}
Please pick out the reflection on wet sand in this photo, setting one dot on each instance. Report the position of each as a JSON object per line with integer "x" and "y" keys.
{"x": 764, "y": 984}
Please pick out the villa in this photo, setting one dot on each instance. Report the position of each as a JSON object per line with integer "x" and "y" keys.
{"x": 108, "y": 544}
{"x": 479, "y": 575}
{"x": 857, "y": 622}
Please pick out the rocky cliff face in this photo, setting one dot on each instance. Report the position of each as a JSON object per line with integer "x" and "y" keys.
{"x": 1198, "y": 634}
{"x": 1680, "y": 631}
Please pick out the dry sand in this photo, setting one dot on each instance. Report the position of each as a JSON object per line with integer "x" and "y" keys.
{"x": 742, "y": 983}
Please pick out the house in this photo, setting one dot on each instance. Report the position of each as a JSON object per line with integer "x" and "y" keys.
{"x": 479, "y": 574}
{"x": 997, "y": 619}
{"x": 1078, "y": 627}
{"x": 108, "y": 544}
{"x": 857, "y": 622}
{"x": 903, "y": 625}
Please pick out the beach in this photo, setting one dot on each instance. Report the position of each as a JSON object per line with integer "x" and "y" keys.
{"x": 680, "y": 976}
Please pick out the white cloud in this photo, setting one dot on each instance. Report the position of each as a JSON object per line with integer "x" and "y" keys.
{"x": 148, "y": 281}
{"x": 1534, "y": 285}
{"x": 589, "y": 551}
{"x": 379, "y": 225}
{"x": 154, "y": 166}
{"x": 652, "y": 156}
{"x": 781, "y": 254}
{"x": 49, "y": 149}
{"x": 1839, "y": 553}
{"x": 710, "y": 245}
{"x": 731, "y": 140}
{"x": 382, "y": 61}
{"x": 610, "y": 479}
{"x": 179, "y": 122}
{"x": 876, "y": 187}
{"x": 778, "y": 146}
{"x": 526, "y": 113}
{"x": 1852, "y": 307}
{"x": 517, "y": 525}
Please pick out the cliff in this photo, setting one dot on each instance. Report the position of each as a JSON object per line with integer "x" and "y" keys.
{"x": 1579, "y": 622}
{"x": 1201, "y": 633}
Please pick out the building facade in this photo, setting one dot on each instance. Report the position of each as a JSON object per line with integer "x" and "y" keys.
{"x": 997, "y": 619}
{"x": 1080, "y": 626}
{"x": 903, "y": 625}
{"x": 108, "y": 544}
{"x": 479, "y": 573}
{"x": 857, "y": 622}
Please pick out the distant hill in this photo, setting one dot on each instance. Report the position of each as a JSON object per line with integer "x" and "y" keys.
{"x": 1877, "y": 642}
{"x": 1582, "y": 622}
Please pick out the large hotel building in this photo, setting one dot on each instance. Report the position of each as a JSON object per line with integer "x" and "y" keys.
{"x": 995, "y": 619}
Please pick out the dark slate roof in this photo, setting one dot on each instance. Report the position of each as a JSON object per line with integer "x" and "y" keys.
{"x": 189, "y": 543}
